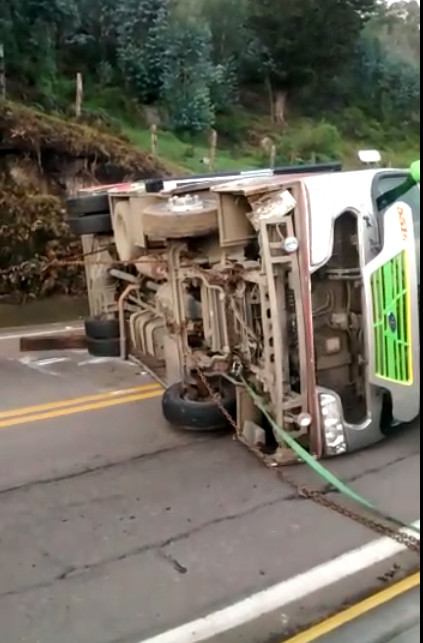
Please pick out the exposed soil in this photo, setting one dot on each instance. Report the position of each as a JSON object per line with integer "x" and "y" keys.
{"x": 42, "y": 159}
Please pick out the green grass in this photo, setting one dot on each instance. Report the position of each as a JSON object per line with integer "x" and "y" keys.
{"x": 189, "y": 155}
{"x": 240, "y": 133}
{"x": 181, "y": 155}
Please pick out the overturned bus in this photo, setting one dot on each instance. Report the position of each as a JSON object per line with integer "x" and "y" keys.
{"x": 303, "y": 282}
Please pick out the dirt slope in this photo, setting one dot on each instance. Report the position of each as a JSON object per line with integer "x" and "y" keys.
{"x": 43, "y": 158}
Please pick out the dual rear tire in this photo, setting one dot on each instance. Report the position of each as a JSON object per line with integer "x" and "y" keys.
{"x": 102, "y": 337}
{"x": 89, "y": 214}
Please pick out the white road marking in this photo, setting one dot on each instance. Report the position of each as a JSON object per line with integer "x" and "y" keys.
{"x": 41, "y": 365}
{"x": 102, "y": 360}
{"x": 95, "y": 360}
{"x": 282, "y": 594}
{"x": 50, "y": 360}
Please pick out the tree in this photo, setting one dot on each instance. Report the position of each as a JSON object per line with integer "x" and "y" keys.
{"x": 142, "y": 28}
{"x": 33, "y": 32}
{"x": 192, "y": 55}
{"x": 226, "y": 20}
{"x": 305, "y": 42}
{"x": 92, "y": 44}
{"x": 384, "y": 85}
{"x": 187, "y": 77}
{"x": 397, "y": 27}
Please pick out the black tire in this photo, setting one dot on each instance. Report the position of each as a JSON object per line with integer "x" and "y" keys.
{"x": 204, "y": 415}
{"x": 79, "y": 206}
{"x": 388, "y": 425}
{"x": 103, "y": 347}
{"x": 94, "y": 224}
{"x": 153, "y": 186}
{"x": 97, "y": 328}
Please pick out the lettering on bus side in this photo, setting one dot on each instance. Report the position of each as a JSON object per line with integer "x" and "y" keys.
{"x": 403, "y": 223}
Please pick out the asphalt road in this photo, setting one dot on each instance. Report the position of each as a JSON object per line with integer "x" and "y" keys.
{"x": 114, "y": 527}
{"x": 395, "y": 622}
{"x": 392, "y": 621}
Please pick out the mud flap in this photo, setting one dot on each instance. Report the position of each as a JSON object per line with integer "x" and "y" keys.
{"x": 391, "y": 291}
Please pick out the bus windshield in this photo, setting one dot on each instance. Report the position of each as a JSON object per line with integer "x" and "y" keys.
{"x": 399, "y": 186}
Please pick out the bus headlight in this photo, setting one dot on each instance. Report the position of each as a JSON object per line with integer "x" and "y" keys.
{"x": 332, "y": 424}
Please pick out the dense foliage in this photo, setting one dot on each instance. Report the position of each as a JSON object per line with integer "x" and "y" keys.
{"x": 190, "y": 57}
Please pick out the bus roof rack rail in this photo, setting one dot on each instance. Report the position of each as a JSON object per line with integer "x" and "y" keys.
{"x": 205, "y": 180}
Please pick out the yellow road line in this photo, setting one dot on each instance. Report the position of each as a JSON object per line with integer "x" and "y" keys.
{"x": 78, "y": 400}
{"x": 79, "y": 409}
{"x": 348, "y": 615}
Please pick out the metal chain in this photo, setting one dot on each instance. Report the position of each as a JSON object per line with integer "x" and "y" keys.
{"x": 410, "y": 542}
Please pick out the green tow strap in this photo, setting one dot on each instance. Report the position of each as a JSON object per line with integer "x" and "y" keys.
{"x": 318, "y": 468}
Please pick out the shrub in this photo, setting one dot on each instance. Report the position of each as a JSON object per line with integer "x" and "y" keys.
{"x": 311, "y": 142}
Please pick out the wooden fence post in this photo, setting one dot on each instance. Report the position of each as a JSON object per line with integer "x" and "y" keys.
{"x": 268, "y": 146}
{"x": 2, "y": 73}
{"x": 79, "y": 95}
{"x": 154, "y": 140}
{"x": 272, "y": 155}
{"x": 213, "y": 148}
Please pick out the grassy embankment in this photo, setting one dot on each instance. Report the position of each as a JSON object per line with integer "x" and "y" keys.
{"x": 333, "y": 137}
